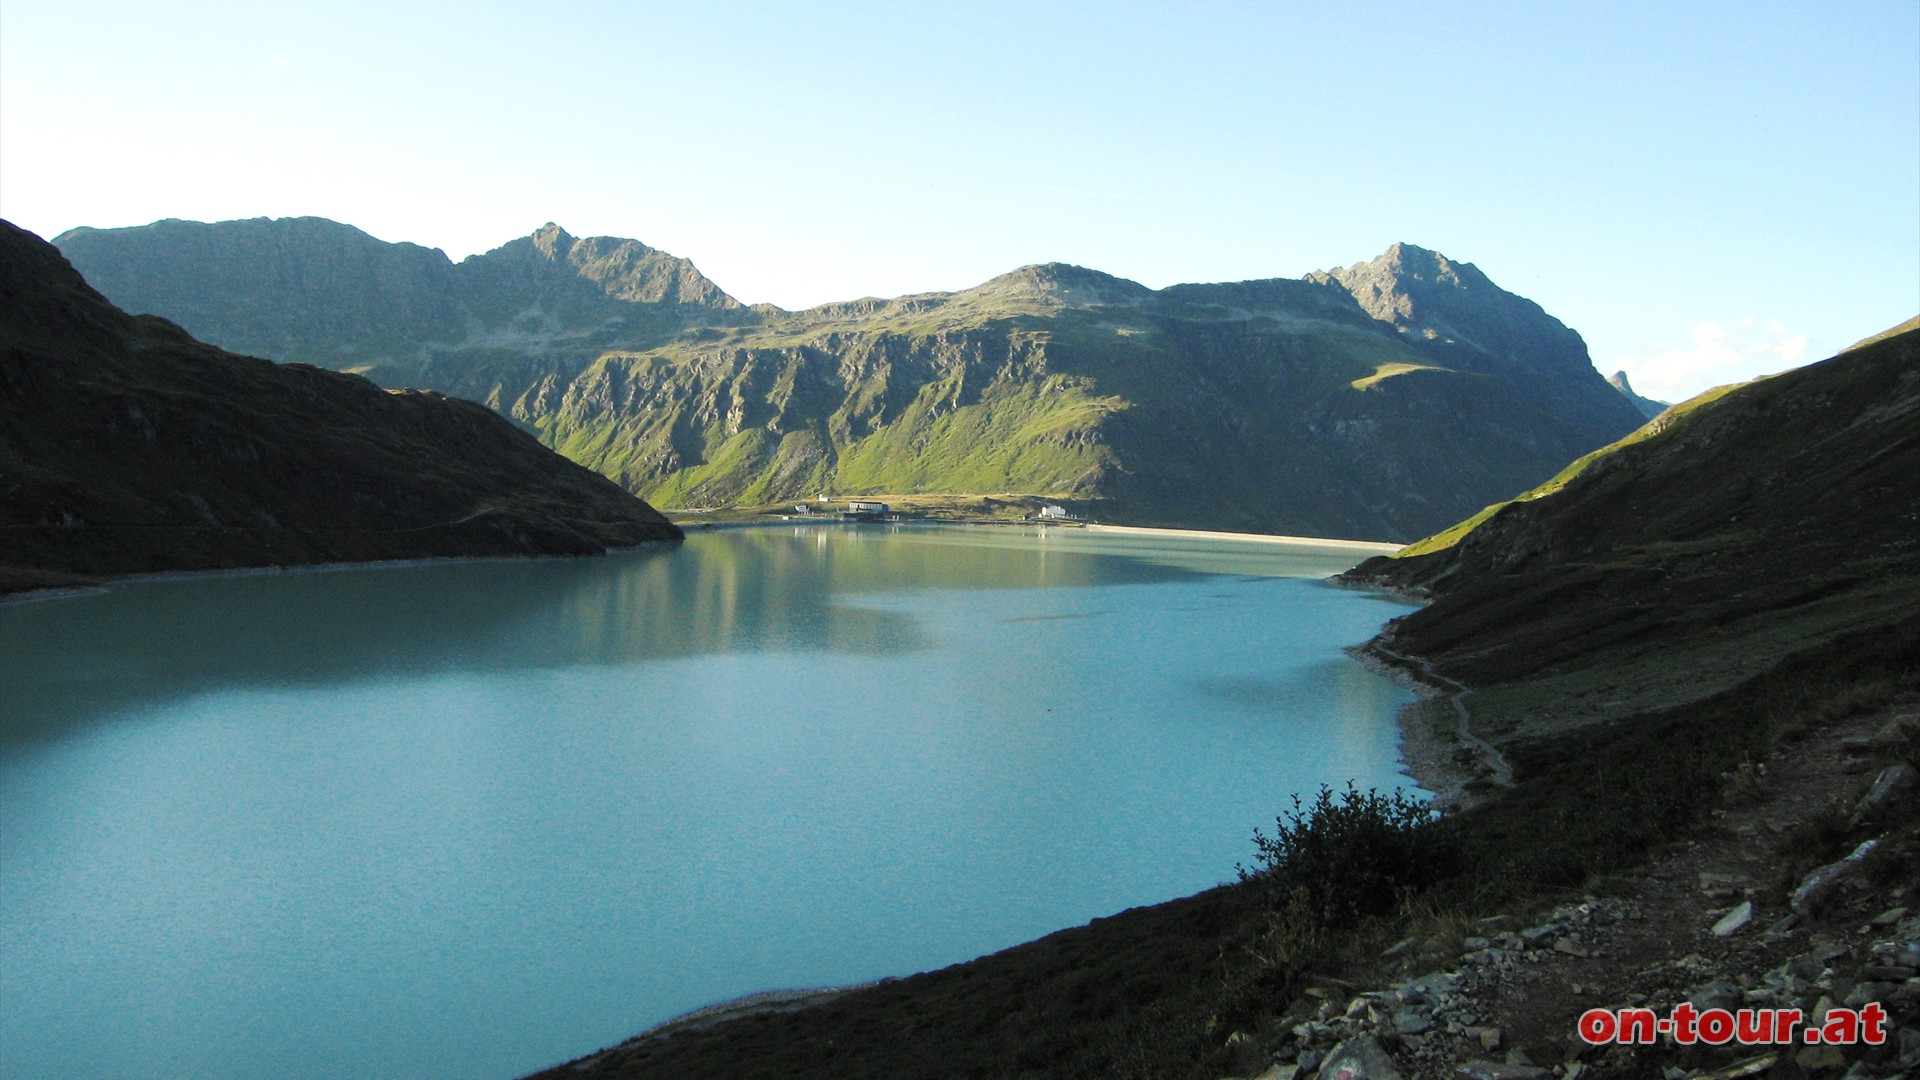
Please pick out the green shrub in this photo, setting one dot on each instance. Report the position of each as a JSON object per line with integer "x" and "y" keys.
{"x": 1364, "y": 853}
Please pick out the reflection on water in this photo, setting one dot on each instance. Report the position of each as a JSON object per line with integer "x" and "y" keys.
{"x": 469, "y": 819}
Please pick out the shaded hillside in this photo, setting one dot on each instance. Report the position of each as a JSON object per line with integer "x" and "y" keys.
{"x": 1747, "y": 526}
{"x": 127, "y": 446}
{"x": 1648, "y": 407}
{"x": 1276, "y": 405}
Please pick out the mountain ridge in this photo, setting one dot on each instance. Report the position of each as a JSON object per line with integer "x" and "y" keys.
{"x": 1304, "y": 413}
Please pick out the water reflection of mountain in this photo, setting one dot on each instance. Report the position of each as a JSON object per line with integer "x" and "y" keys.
{"x": 72, "y": 660}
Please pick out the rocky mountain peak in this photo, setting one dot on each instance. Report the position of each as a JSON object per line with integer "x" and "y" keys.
{"x": 1456, "y": 315}
{"x": 552, "y": 241}
{"x": 1414, "y": 288}
{"x": 1648, "y": 407}
{"x": 616, "y": 267}
{"x": 1431, "y": 298}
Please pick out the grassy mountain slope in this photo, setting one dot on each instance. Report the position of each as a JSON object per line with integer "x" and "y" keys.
{"x": 1267, "y": 405}
{"x": 127, "y": 446}
{"x": 1741, "y": 528}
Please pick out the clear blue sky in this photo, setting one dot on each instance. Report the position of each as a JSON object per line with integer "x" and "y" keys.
{"x": 1705, "y": 191}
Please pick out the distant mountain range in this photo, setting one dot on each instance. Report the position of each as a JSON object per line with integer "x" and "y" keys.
{"x": 126, "y": 446}
{"x": 1383, "y": 400}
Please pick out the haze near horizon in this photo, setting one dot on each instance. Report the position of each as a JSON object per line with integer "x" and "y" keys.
{"x": 1703, "y": 199}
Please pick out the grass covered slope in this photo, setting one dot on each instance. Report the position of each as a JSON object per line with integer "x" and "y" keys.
{"x": 1742, "y": 528}
{"x": 126, "y": 446}
{"x": 1382, "y": 401}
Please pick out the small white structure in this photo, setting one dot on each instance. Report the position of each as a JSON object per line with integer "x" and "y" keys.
{"x": 802, "y": 508}
{"x": 861, "y": 506}
{"x": 1054, "y": 512}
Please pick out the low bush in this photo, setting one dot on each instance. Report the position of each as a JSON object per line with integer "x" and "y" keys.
{"x": 1341, "y": 859}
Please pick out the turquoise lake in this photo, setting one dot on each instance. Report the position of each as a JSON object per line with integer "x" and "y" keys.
{"x": 473, "y": 819}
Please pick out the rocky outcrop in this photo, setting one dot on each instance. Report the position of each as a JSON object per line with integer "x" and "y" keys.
{"x": 126, "y": 446}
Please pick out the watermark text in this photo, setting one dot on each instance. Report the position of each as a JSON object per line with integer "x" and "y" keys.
{"x": 1687, "y": 1025}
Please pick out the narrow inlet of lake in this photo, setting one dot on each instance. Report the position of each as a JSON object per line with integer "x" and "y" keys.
{"x": 471, "y": 819}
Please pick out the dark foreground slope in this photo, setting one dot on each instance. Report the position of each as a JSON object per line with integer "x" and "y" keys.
{"x": 1384, "y": 400}
{"x": 126, "y": 446}
{"x": 1733, "y": 587}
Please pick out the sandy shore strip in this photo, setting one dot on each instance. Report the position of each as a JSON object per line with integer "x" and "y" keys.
{"x": 1375, "y": 546}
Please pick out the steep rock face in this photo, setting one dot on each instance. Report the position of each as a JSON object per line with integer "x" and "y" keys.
{"x": 127, "y": 446}
{"x": 1648, "y": 407}
{"x": 1274, "y": 405}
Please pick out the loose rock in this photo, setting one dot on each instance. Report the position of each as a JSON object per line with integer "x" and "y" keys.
{"x": 1360, "y": 1059}
{"x": 1734, "y": 921}
{"x": 1818, "y": 885}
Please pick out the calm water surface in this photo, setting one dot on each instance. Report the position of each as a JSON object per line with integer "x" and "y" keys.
{"x": 467, "y": 820}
